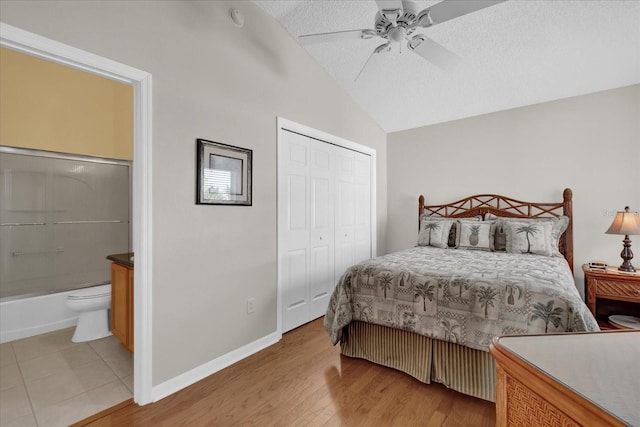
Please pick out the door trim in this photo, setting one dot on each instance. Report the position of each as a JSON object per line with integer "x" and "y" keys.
{"x": 284, "y": 125}
{"x": 50, "y": 50}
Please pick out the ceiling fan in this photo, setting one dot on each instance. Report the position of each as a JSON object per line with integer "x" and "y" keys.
{"x": 397, "y": 21}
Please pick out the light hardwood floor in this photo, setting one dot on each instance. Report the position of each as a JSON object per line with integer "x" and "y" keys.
{"x": 304, "y": 381}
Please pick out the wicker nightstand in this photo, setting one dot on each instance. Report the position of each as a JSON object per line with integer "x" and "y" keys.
{"x": 611, "y": 285}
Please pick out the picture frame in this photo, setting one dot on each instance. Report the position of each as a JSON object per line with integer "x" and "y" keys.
{"x": 223, "y": 174}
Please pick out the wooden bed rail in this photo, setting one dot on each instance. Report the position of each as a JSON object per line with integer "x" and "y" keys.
{"x": 498, "y": 205}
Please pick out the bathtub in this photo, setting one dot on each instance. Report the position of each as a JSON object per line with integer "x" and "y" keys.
{"x": 26, "y": 317}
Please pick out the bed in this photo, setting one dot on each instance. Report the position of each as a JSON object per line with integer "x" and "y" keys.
{"x": 484, "y": 266}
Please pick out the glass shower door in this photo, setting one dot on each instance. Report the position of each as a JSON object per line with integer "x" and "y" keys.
{"x": 60, "y": 216}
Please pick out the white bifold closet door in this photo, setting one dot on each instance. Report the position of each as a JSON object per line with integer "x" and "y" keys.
{"x": 352, "y": 209}
{"x": 324, "y": 220}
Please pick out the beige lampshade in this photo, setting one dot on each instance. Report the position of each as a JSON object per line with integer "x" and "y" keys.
{"x": 625, "y": 222}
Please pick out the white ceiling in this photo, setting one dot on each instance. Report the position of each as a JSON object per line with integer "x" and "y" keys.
{"x": 516, "y": 53}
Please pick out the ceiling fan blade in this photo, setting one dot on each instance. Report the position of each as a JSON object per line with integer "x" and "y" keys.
{"x": 307, "y": 39}
{"x": 451, "y": 9}
{"x": 435, "y": 53}
{"x": 386, "y": 47}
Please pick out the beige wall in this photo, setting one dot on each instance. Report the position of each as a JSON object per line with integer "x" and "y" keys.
{"x": 589, "y": 143}
{"x": 215, "y": 81}
{"x": 47, "y": 106}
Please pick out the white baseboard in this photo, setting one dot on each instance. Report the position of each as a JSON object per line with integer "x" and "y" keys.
{"x": 196, "y": 374}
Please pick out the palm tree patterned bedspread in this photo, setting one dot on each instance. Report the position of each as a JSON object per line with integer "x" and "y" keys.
{"x": 461, "y": 296}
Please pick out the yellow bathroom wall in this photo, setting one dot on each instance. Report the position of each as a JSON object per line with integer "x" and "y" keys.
{"x": 47, "y": 106}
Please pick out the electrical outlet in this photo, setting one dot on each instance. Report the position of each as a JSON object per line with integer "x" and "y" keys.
{"x": 251, "y": 305}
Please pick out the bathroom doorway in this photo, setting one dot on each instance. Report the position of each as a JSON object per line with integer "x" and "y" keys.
{"x": 40, "y": 47}
{"x": 65, "y": 196}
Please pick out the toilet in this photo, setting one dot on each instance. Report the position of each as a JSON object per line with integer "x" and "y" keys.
{"x": 92, "y": 303}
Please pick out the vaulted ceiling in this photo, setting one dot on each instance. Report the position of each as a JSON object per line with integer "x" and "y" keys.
{"x": 511, "y": 54}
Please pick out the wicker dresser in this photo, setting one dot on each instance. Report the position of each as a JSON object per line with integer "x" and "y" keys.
{"x": 587, "y": 379}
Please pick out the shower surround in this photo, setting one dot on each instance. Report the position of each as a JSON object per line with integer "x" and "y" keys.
{"x": 60, "y": 216}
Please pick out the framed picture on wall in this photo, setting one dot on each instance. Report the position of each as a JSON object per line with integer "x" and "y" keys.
{"x": 223, "y": 174}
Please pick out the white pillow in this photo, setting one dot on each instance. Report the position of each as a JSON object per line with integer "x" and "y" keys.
{"x": 559, "y": 226}
{"x": 531, "y": 237}
{"x": 434, "y": 233}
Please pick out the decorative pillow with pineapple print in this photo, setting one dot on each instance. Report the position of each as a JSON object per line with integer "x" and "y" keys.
{"x": 434, "y": 233}
{"x": 530, "y": 237}
{"x": 474, "y": 235}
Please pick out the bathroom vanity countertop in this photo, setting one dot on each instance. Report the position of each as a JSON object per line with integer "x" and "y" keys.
{"x": 125, "y": 259}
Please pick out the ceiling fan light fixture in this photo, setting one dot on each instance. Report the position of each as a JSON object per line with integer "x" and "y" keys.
{"x": 397, "y": 34}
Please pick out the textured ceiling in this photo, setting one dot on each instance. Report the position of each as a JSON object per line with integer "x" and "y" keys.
{"x": 516, "y": 53}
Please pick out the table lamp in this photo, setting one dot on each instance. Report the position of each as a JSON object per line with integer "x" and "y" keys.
{"x": 625, "y": 223}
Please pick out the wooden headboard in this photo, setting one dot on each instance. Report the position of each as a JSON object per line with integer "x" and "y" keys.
{"x": 506, "y": 206}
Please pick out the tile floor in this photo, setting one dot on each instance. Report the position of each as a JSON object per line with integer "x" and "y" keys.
{"x": 47, "y": 380}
